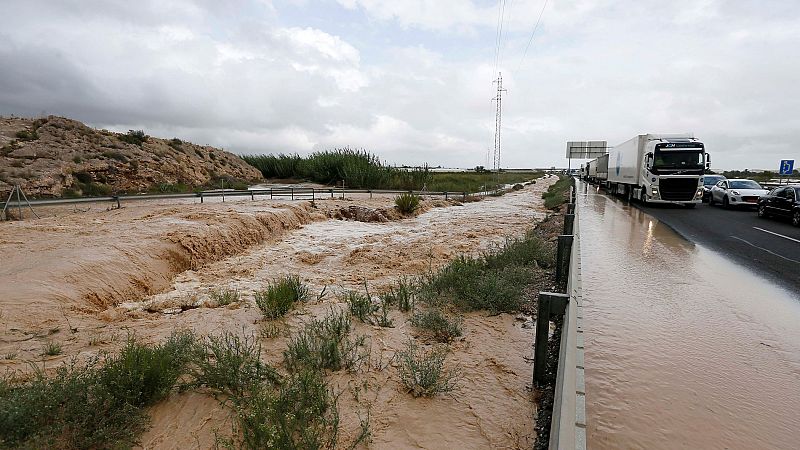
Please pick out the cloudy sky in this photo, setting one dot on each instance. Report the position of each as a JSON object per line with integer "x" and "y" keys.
{"x": 411, "y": 80}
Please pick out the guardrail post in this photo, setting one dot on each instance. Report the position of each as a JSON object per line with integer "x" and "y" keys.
{"x": 313, "y": 196}
{"x": 570, "y": 208}
{"x": 201, "y": 197}
{"x": 550, "y": 304}
{"x": 292, "y": 193}
{"x": 252, "y": 196}
{"x": 331, "y": 192}
{"x": 270, "y": 193}
{"x": 370, "y": 193}
{"x": 569, "y": 223}
{"x": 464, "y": 195}
{"x": 116, "y": 198}
{"x": 562, "y": 256}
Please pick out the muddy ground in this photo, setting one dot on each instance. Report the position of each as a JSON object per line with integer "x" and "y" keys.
{"x": 85, "y": 279}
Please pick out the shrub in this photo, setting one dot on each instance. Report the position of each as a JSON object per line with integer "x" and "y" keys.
{"x": 51, "y": 349}
{"x": 141, "y": 375}
{"x": 423, "y": 372}
{"x": 175, "y": 143}
{"x": 300, "y": 413}
{"x": 27, "y": 135}
{"x": 325, "y": 344}
{"x": 77, "y": 159}
{"x": 115, "y": 155}
{"x": 135, "y": 137}
{"x": 92, "y": 405}
{"x": 231, "y": 365}
{"x": 401, "y": 295}
{"x": 225, "y": 297}
{"x": 407, "y": 203}
{"x": 280, "y": 296}
{"x": 360, "y": 305}
{"x": 441, "y": 327}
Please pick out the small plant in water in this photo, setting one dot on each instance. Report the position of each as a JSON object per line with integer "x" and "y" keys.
{"x": 441, "y": 327}
{"x": 225, "y": 297}
{"x": 51, "y": 349}
{"x": 360, "y": 306}
{"x": 423, "y": 372}
{"x": 280, "y": 296}
{"x": 407, "y": 203}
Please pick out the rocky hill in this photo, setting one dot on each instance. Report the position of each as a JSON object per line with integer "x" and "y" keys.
{"x": 59, "y": 157}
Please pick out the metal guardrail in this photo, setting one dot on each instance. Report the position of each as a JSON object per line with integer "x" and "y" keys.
{"x": 291, "y": 193}
{"x": 568, "y": 419}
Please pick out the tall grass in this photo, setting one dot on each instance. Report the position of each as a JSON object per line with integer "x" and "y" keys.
{"x": 280, "y": 296}
{"x": 325, "y": 345}
{"x": 356, "y": 168}
{"x": 423, "y": 372}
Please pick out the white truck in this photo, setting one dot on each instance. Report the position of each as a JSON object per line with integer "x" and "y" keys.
{"x": 591, "y": 170}
{"x": 659, "y": 168}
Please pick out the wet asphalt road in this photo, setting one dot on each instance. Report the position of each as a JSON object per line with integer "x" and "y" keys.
{"x": 770, "y": 247}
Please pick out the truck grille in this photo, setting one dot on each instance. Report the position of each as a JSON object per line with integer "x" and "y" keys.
{"x": 678, "y": 189}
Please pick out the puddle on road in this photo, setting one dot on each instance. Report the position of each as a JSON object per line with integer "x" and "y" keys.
{"x": 684, "y": 349}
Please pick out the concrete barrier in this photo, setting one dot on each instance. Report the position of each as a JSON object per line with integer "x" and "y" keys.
{"x": 568, "y": 423}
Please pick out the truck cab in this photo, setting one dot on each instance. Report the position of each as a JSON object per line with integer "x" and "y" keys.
{"x": 672, "y": 171}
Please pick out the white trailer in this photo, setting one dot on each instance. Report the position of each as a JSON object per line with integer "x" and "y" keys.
{"x": 659, "y": 168}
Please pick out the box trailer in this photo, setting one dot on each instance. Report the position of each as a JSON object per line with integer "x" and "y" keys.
{"x": 602, "y": 168}
{"x": 591, "y": 170}
{"x": 659, "y": 168}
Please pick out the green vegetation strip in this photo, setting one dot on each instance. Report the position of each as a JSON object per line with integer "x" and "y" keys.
{"x": 557, "y": 193}
{"x": 362, "y": 170}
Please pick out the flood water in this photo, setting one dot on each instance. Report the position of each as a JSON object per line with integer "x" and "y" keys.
{"x": 684, "y": 349}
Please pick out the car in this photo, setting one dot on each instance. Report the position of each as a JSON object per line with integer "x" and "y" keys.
{"x": 781, "y": 202}
{"x": 736, "y": 192}
{"x": 708, "y": 182}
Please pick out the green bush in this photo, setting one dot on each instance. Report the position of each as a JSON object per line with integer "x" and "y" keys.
{"x": 423, "y": 372}
{"x": 111, "y": 154}
{"x": 280, "y": 296}
{"x": 225, "y": 297}
{"x": 440, "y": 326}
{"x": 361, "y": 306}
{"x": 231, "y": 364}
{"x": 407, "y": 203}
{"x": 98, "y": 404}
{"x": 325, "y": 344}
{"x": 301, "y": 413}
{"x": 51, "y": 349}
{"x": 401, "y": 295}
{"x": 135, "y": 137}
{"x": 27, "y": 135}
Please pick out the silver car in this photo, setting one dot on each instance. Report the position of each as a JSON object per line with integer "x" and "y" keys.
{"x": 736, "y": 192}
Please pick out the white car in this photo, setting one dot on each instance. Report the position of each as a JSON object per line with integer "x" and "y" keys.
{"x": 736, "y": 192}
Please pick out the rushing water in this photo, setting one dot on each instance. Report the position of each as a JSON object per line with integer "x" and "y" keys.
{"x": 684, "y": 349}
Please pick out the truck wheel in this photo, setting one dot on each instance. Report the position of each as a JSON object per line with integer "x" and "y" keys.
{"x": 725, "y": 202}
{"x": 643, "y": 195}
{"x": 796, "y": 218}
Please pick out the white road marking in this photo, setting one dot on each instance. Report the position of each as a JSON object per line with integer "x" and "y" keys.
{"x": 768, "y": 251}
{"x": 776, "y": 234}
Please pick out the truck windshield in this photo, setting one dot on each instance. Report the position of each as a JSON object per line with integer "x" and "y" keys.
{"x": 677, "y": 160}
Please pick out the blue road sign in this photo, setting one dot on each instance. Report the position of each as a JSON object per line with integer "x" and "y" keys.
{"x": 787, "y": 166}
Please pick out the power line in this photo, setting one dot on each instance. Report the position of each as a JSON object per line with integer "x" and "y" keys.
{"x": 497, "y": 122}
{"x": 533, "y": 33}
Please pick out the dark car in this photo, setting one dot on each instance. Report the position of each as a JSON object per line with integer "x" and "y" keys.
{"x": 708, "y": 182}
{"x": 781, "y": 202}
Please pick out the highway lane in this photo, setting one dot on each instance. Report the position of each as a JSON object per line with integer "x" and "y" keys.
{"x": 770, "y": 247}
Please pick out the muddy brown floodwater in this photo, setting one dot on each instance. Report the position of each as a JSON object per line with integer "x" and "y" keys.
{"x": 684, "y": 349}
{"x": 86, "y": 279}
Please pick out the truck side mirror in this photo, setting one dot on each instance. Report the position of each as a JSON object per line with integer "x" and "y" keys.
{"x": 708, "y": 161}
{"x": 648, "y": 160}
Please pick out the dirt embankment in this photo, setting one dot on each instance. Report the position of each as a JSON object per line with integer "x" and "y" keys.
{"x": 55, "y": 157}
